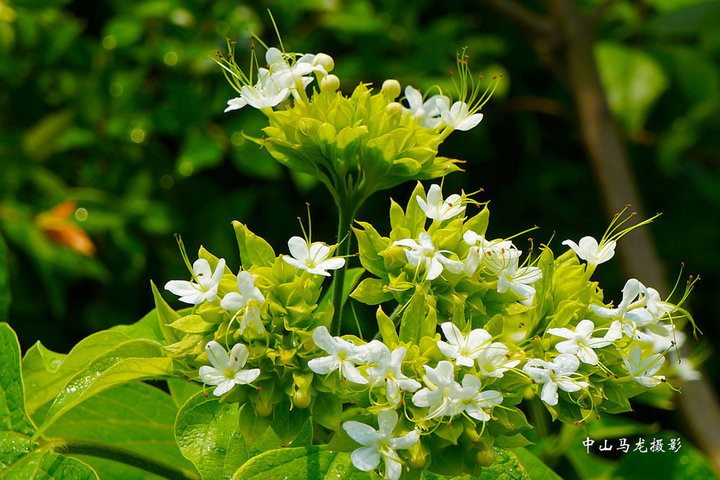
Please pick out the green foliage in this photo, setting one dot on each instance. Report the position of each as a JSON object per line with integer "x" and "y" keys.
{"x": 21, "y": 456}
{"x": 207, "y": 434}
{"x": 132, "y": 416}
{"x": 302, "y": 462}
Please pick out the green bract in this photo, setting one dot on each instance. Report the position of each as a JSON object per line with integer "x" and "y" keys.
{"x": 355, "y": 145}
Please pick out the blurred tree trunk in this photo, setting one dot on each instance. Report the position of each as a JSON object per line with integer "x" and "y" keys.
{"x": 569, "y": 37}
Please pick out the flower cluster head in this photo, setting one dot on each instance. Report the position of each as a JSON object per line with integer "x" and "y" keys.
{"x": 475, "y": 322}
{"x": 356, "y": 144}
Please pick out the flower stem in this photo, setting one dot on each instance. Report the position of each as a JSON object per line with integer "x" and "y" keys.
{"x": 346, "y": 211}
{"x": 122, "y": 455}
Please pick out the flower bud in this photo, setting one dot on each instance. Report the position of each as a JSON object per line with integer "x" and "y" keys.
{"x": 485, "y": 457}
{"x": 301, "y": 399}
{"x": 263, "y": 409}
{"x": 330, "y": 83}
{"x": 394, "y": 108}
{"x": 325, "y": 61}
{"x": 417, "y": 455}
{"x": 391, "y": 89}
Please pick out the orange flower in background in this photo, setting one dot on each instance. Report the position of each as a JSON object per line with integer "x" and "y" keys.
{"x": 58, "y": 227}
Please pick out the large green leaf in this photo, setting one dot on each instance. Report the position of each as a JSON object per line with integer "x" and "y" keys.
{"x": 633, "y": 81}
{"x": 13, "y": 417}
{"x": 136, "y": 417}
{"x": 208, "y": 435}
{"x": 147, "y": 327}
{"x": 20, "y": 456}
{"x": 534, "y": 466}
{"x": 4, "y": 282}
{"x": 45, "y": 465}
{"x": 129, "y": 361}
{"x": 46, "y": 373}
{"x": 285, "y": 463}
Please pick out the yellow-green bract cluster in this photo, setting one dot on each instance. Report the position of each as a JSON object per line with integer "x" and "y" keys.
{"x": 466, "y": 329}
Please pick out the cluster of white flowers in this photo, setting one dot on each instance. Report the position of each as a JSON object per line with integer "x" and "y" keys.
{"x": 498, "y": 258}
{"x": 290, "y": 74}
{"x": 226, "y": 370}
{"x": 374, "y": 365}
{"x": 285, "y": 75}
{"x": 437, "y": 112}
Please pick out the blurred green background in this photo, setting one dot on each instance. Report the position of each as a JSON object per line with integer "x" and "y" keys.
{"x": 113, "y": 137}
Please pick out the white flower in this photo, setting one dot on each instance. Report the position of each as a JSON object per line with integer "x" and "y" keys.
{"x": 518, "y": 279}
{"x": 314, "y": 258}
{"x": 589, "y": 250}
{"x": 379, "y": 444}
{"x": 438, "y": 209}
{"x": 249, "y": 298}
{"x": 226, "y": 371}
{"x": 206, "y": 286}
{"x": 463, "y": 349}
{"x": 494, "y": 360}
{"x": 558, "y": 373}
{"x": 267, "y": 92}
{"x": 474, "y": 402}
{"x": 424, "y": 253}
{"x": 685, "y": 370}
{"x": 442, "y": 394}
{"x": 344, "y": 355}
{"x": 428, "y": 113}
{"x": 388, "y": 370}
{"x": 493, "y": 255}
{"x": 632, "y": 313}
{"x": 580, "y": 342}
{"x": 459, "y": 117}
{"x": 290, "y": 75}
{"x": 235, "y": 104}
{"x": 657, "y": 308}
{"x": 643, "y": 371}
{"x": 662, "y": 337}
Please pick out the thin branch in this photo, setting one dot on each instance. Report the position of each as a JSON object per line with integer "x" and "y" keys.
{"x": 528, "y": 20}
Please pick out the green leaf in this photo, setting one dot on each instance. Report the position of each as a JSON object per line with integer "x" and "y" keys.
{"x": 633, "y": 81}
{"x": 44, "y": 465}
{"x": 371, "y": 292}
{"x": 370, "y": 243}
{"x": 165, "y": 315}
{"x": 132, "y": 360}
{"x": 534, "y": 466}
{"x": 13, "y": 417}
{"x": 386, "y": 327}
{"x": 182, "y": 390}
{"x": 253, "y": 249}
{"x": 412, "y": 324}
{"x": 479, "y": 222}
{"x": 46, "y": 373}
{"x": 288, "y": 423}
{"x": 4, "y": 282}
{"x": 506, "y": 466}
{"x": 18, "y": 457}
{"x": 208, "y": 435}
{"x": 147, "y": 327}
{"x": 136, "y": 417}
{"x": 415, "y": 217}
{"x": 342, "y": 468}
{"x": 282, "y": 464}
